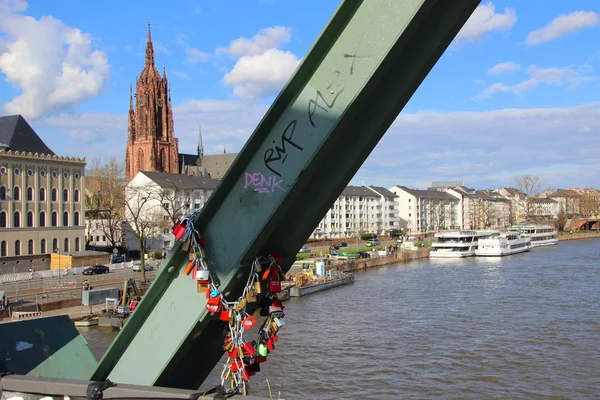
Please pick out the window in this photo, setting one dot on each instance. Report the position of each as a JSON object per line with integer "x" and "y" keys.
{"x": 54, "y": 174}
{"x": 17, "y": 247}
{"x": 2, "y": 192}
{"x": 65, "y": 195}
{"x": 54, "y": 218}
{"x": 54, "y": 194}
{"x": 16, "y": 220}
{"x": 76, "y": 195}
{"x": 54, "y": 244}
{"x": 30, "y": 172}
{"x": 3, "y": 248}
{"x": 30, "y": 247}
{"x": 29, "y": 194}
{"x": 76, "y": 244}
{"x": 66, "y": 175}
{"x": 2, "y": 219}
{"x": 42, "y": 173}
{"x": 76, "y": 219}
{"x": 17, "y": 171}
{"x": 43, "y": 246}
{"x": 16, "y": 193}
{"x": 76, "y": 175}
{"x": 66, "y": 218}
{"x": 66, "y": 245}
{"x": 42, "y": 194}
{"x": 3, "y": 170}
{"x": 29, "y": 219}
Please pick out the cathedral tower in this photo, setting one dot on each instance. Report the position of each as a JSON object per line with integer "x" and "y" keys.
{"x": 151, "y": 144}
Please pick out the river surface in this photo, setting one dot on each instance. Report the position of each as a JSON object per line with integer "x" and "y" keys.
{"x": 521, "y": 327}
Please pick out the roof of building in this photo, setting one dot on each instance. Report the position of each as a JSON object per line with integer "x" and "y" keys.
{"x": 358, "y": 191}
{"x": 216, "y": 164}
{"x": 383, "y": 191}
{"x": 542, "y": 200}
{"x": 17, "y": 135}
{"x": 179, "y": 181}
{"x": 564, "y": 193}
{"x": 428, "y": 194}
{"x": 489, "y": 195}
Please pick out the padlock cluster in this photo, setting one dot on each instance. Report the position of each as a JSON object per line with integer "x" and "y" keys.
{"x": 243, "y": 357}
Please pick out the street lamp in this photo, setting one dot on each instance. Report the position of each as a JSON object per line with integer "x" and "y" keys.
{"x": 57, "y": 251}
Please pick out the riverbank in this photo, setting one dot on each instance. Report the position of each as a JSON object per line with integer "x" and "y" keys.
{"x": 365, "y": 263}
{"x": 578, "y": 236}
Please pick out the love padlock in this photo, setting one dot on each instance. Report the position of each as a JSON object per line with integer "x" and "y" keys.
{"x": 202, "y": 276}
{"x": 274, "y": 286}
{"x": 248, "y": 322}
{"x": 179, "y": 228}
{"x": 213, "y": 304}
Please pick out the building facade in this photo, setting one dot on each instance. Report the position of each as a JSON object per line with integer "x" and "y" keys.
{"x": 41, "y": 197}
{"x": 427, "y": 210}
{"x": 154, "y": 201}
{"x": 358, "y": 210}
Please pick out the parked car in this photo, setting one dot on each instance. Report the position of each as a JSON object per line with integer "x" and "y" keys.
{"x": 363, "y": 254}
{"x": 373, "y": 243}
{"x": 343, "y": 244}
{"x": 138, "y": 267}
{"x": 304, "y": 249}
{"x": 96, "y": 269}
{"x": 118, "y": 259}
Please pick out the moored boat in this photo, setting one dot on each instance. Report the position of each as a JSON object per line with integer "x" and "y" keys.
{"x": 457, "y": 244}
{"x": 541, "y": 235}
{"x": 503, "y": 244}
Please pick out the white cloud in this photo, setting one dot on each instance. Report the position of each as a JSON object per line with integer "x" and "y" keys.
{"x": 556, "y": 76}
{"x": 483, "y": 148}
{"x": 562, "y": 25}
{"x": 196, "y": 56}
{"x": 52, "y": 64}
{"x": 485, "y": 20}
{"x": 504, "y": 68}
{"x": 180, "y": 74}
{"x": 254, "y": 77}
{"x": 265, "y": 39}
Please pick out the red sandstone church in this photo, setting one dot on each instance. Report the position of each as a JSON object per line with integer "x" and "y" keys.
{"x": 151, "y": 142}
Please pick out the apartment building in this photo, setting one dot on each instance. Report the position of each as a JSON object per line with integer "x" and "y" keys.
{"x": 360, "y": 209}
{"x": 427, "y": 210}
{"x": 41, "y": 207}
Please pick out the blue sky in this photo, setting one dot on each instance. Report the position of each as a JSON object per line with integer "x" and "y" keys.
{"x": 517, "y": 92}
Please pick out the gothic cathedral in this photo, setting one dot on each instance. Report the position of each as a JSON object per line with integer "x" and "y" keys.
{"x": 151, "y": 144}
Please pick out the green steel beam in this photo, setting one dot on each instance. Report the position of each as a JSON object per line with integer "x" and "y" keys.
{"x": 361, "y": 72}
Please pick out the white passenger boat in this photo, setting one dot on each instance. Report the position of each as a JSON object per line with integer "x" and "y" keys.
{"x": 457, "y": 244}
{"x": 503, "y": 244}
{"x": 541, "y": 235}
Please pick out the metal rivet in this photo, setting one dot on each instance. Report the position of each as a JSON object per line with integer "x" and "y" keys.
{"x": 331, "y": 92}
{"x": 171, "y": 269}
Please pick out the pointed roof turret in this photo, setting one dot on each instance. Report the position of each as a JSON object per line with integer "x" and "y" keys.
{"x": 149, "y": 48}
{"x": 200, "y": 145}
{"x": 130, "y": 98}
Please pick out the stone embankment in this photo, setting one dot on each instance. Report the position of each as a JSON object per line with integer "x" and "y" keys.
{"x": 365, "y": 263}
{"x": 578, "y": 236}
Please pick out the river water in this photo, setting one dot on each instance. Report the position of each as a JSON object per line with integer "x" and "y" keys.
{"x": 523, "y": 326}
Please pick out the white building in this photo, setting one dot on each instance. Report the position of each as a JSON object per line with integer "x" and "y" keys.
{"x": 427, "y": 210}
{"x": 360, "y": 209}
{"x": 155, "y": 200}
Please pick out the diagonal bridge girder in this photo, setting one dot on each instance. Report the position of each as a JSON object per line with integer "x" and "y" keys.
{"x": 357, "y": 77}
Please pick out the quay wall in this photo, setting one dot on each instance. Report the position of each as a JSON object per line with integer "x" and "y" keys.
{"x": 365, "y": 263}
{"x": 575, "y": 236}
{"x": 296, "y": 291}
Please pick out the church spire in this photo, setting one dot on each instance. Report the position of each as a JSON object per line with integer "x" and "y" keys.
{"x": 149, "y": 48}
{"x": 130, "y": 98}
{"x": 200, "y": 145}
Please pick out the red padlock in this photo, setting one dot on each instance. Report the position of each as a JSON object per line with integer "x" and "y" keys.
{"x": 274, "y": 286}
{"x": 250, "y": 350}
{"x": 224, "y": 315}
{"x": 248, "y": 322}
{"x": 260, "y": 359}
{"x": 233, "y": 354}
{"x": 245, "y": 375}
{"x": 178, "y": 229}
{"x": 270, "y": 344}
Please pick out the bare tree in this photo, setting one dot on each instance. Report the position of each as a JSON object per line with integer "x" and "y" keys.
{"x": 486, "y": 213}
{"x": 531, "y": 186}
{"x": 105, "y": 198}
{"x": 572, "y": 207}
{"x": 174, "y": 202}
{"x": 145, "y": 216}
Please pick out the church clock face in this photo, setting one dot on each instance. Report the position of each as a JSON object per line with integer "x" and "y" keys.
{"x": 141, "y": 102}
{"x": 160, "y": 102}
